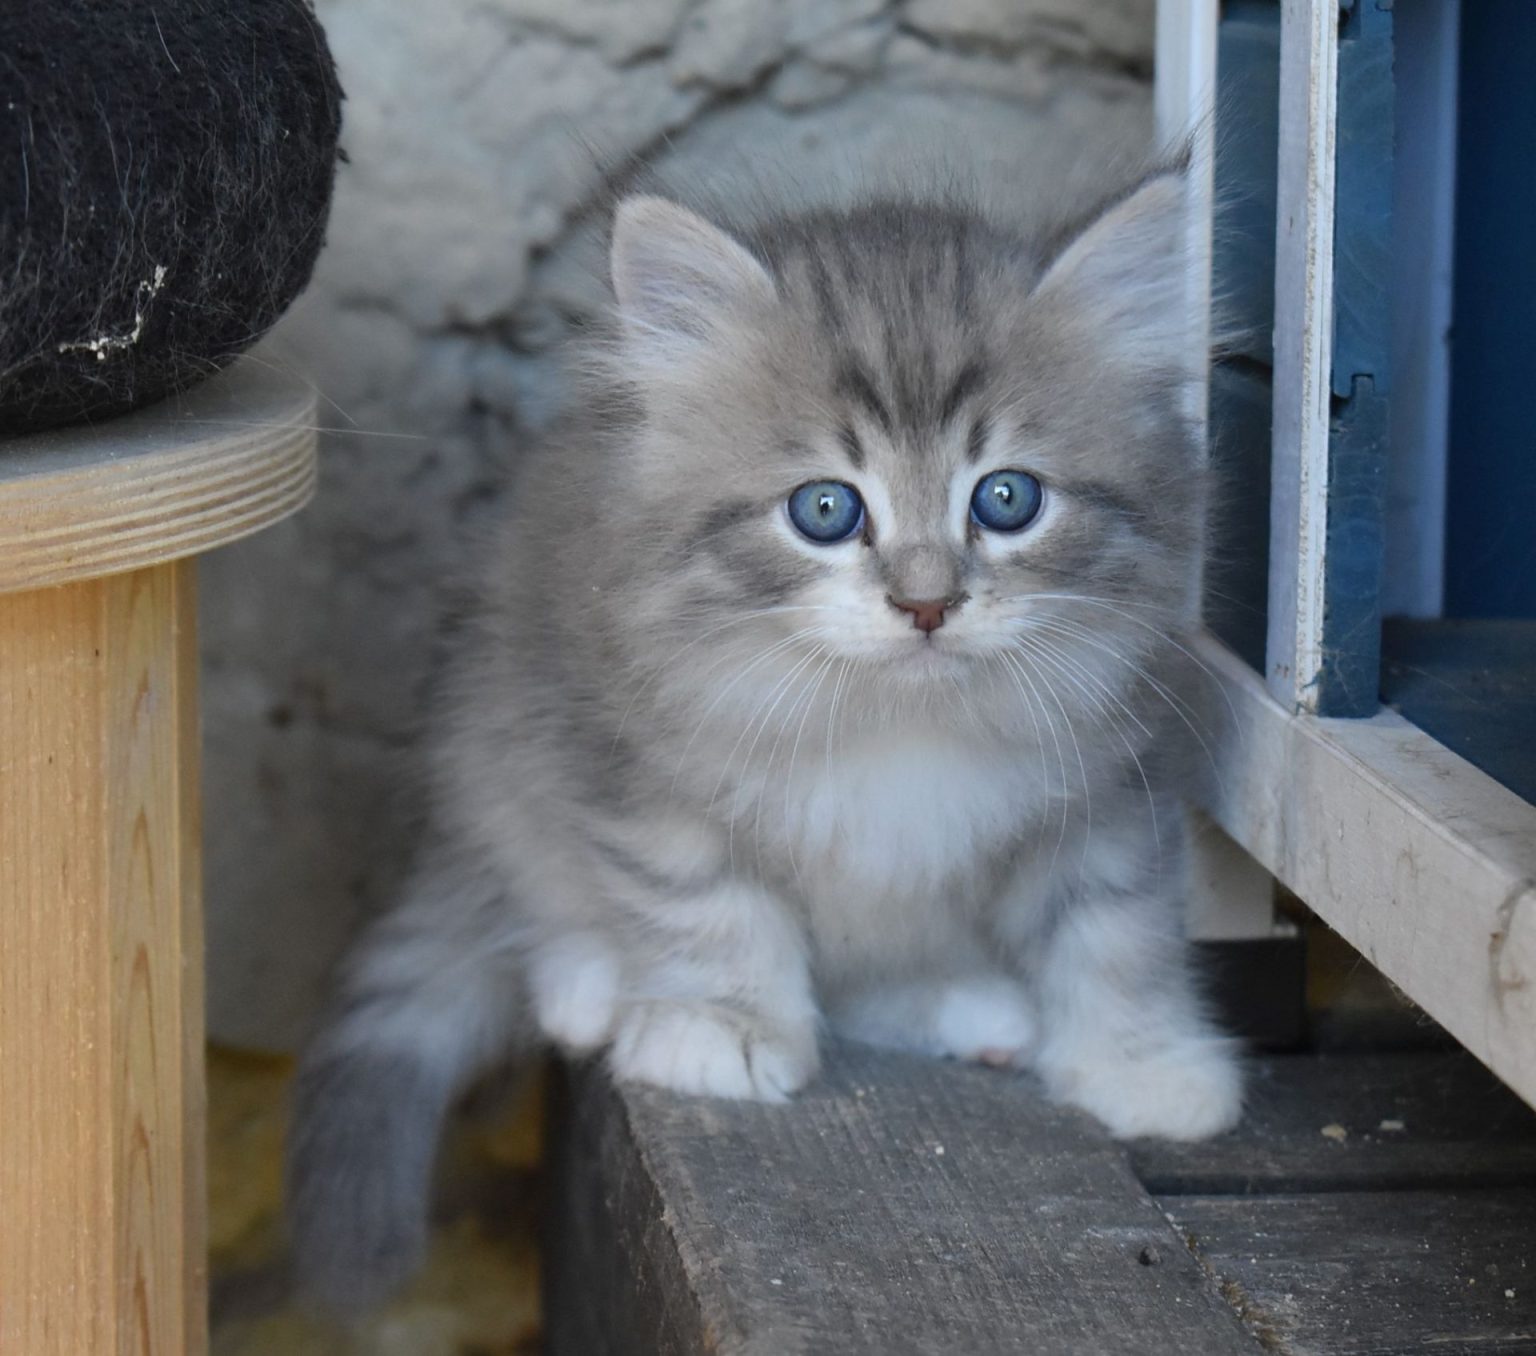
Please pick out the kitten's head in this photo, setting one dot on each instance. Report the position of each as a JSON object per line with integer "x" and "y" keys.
{"x": 912, "y": 439}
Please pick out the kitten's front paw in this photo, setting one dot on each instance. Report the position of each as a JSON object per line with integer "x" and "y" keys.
{"x": 987, "y": 1021}
{"x": 711, "y": 1052}
{"x": 574, "y": 983}
{"x": 1189, "y": 1089}
{"x": 984, "y": 1018}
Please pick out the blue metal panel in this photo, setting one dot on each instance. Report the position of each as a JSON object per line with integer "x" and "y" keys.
{"x": 1357, "y": 444}
{"x": 1243, "y": 283}
{"x": 1362, "y": 236}
{"x": 1357, "y": 460}
{"x": 1490, "y": 546}
{"x": 1472, "y": 685}
{"x": 1247, "y": 144}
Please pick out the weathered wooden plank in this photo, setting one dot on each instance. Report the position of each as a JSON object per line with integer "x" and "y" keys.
{"x": 1423, "y": 864}
{"x": 897, "y": 1206}
{"x": 1357, "y": 1122}
{"x": 1303, "y": 349}
{"x": 1374, "y": 1274}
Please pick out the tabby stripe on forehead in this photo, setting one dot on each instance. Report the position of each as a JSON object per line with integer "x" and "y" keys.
{"x": 852, "y": 447}
{"x": 976, "y": 444}
{"x": 912, "y": 380}
{"x": 965, "y": 282}
{"x": 966, "y": 384}
{"x": 854, "y": 383}
{"x": 825, "y": 292}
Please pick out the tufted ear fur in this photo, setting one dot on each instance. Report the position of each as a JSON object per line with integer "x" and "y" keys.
{"x": 675, "y": 275}
{"x": 1127, "y": 269}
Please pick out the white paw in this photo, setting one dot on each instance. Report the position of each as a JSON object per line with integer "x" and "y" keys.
{"x": 1189, "y": 1089}
{"x": 575, "y": 988}
{"x": 984, "y": 1020}
{"x": 710, "y": 1052}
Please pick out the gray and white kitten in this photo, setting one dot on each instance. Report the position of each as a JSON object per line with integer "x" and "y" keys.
{"x": 824, "y": 676}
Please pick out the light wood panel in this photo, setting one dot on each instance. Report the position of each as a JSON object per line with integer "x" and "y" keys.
{"x": 102, "y": 1247}
{"x": 186, "y": 475}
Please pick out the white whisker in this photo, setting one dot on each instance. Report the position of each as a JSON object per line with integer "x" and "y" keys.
{"x": 1176, "y": 704}
{"x": 1061, "y": 760}
{"x": 1077, "y": 749}
{"x": 1119, "y": 609}
{"x": 789, "y": 774}
{"x": 669, "y": 664}
{"x": 1059, "y": 658}
{"x": 778, "y": 647}
{"x": 757, "y": 722}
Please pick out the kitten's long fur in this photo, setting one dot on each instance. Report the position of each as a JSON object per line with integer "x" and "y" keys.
{"x": 699, "y": 785}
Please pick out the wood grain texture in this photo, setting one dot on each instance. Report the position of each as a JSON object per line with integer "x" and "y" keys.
{"x": 1420, "y": 1121}
{"x": 102, "y": 1248}
{"x": 898, "y": 1206}
{"x": 1423, "y": 863}
{"x": 1374, "y": 1274}
{"x": 193, "y": 472}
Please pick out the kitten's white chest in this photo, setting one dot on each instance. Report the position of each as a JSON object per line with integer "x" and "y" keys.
{"x": 896, "y": 829}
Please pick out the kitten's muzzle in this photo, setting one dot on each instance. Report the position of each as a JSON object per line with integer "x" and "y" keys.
{"x": 927, "y": 613}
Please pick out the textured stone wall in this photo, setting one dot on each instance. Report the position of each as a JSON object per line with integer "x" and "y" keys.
{"x": 463, "y": 241}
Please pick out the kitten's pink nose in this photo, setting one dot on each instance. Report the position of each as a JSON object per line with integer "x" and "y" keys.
{"x": 927, "y": 614}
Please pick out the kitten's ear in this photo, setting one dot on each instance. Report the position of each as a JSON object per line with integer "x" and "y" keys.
{"x": 1128, "y": 269}
{"x": 676, "y": 275}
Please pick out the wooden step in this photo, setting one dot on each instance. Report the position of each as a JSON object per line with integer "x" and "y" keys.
{"x": 910, "y": 1206}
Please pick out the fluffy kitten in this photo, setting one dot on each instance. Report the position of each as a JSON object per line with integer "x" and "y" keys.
{"x": 822, "y": 676}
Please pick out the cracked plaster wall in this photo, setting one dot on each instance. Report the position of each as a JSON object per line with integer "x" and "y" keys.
{"x": 459, "y": 248}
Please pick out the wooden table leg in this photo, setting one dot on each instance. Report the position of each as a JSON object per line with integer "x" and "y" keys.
{"x": 102, "y": 1211}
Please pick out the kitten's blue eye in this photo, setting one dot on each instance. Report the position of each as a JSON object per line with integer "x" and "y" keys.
{"x": 1006, "y": 501}
{"x": 826, "y": 511}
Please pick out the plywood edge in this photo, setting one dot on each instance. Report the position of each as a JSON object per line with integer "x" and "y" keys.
{"x": 171, "y": 481}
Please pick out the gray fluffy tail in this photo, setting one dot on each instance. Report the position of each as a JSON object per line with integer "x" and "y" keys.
{"x": 431, "y": 1000}
{"x": 363, "y": 1145}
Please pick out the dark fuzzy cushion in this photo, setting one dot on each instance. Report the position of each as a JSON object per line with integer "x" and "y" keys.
{"x": 165, "y": 174}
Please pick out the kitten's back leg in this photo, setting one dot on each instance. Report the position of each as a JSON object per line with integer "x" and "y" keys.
{"x": 432, "y": 996}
